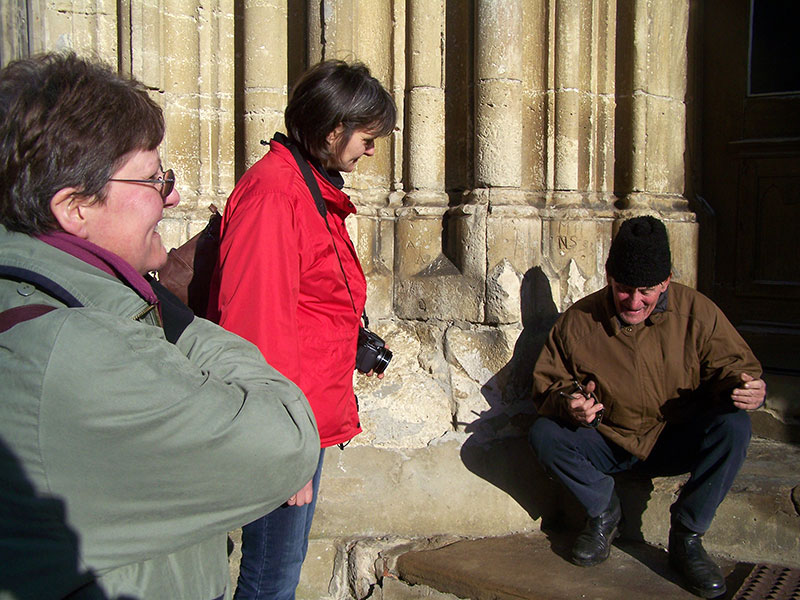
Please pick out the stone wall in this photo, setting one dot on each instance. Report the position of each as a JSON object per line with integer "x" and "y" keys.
{"x": 528, "y": 130}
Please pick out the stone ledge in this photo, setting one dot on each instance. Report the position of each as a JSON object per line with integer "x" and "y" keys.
{"x": 758, "y": 521}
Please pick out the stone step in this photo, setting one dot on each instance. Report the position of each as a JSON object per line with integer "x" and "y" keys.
{"x": 758, "y": 523}
{"x": 535, "y": 567}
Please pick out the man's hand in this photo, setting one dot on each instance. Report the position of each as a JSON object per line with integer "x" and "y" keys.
{"x": 304, "y": 496}
{"x": 583, "y": 408}
{"x": 750, "y": 393}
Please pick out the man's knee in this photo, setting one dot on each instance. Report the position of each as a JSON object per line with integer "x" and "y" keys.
{"x": 733, "y": 429}
{"x": 545, "y": 437}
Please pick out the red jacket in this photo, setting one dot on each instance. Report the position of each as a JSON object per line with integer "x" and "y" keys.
{"x": 278, "y": 284}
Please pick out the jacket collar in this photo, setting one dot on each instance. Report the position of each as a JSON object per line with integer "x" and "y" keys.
{"x": 91, "y": 286}
{"x": 102, "y": 259}
{"x": 330, "y": 182}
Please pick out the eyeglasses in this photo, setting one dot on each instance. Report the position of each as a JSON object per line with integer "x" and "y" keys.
{"x": 167, "y": 182}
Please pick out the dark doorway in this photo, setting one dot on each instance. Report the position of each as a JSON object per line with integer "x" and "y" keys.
{"x": 750, "y": 114}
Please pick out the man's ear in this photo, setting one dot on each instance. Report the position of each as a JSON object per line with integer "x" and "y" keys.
{"x": 69, "y": 209}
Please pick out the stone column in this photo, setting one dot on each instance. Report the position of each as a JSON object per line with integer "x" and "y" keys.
{"x": 513, "y": 228}
{"x": 263, "y": 73}
{"x": 651, "y": 96}
{"x": 331, "y": 32}
{"x": 175, "y": 47}
{"x": 580, "y": 147}
{"x": 88, "y": 28}
{"x": 568, "y": 91}
{"x": 581, "y": 120}
{"x": 425, "y": 133}
{"x": 440, "y": 252}
{"x": 651, "y": 121}
{"x": 13, "y": 31}
{"x": 498, "y": 112}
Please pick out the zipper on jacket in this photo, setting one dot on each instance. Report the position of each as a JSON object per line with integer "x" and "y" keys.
{"x": 141, "y": 314}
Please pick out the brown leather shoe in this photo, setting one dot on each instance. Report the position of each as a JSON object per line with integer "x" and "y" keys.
{"x": 687, "y": 556}
{"x": 593, "y": 544}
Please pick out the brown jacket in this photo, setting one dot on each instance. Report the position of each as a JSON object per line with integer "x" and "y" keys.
{"x": 684, "y": 359}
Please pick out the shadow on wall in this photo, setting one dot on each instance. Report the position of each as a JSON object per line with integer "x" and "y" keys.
{"x": 497, "y": 449}
{"x": 38, "y": 550}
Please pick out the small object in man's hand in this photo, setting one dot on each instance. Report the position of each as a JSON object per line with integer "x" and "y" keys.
{"x": 577, "y": 388}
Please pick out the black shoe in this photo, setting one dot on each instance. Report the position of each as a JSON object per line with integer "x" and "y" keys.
{"x": 688, "y": 557}
{"x": 594, "y": 543}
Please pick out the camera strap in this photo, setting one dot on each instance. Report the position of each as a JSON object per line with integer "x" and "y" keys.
{"x": 313, "y": 187}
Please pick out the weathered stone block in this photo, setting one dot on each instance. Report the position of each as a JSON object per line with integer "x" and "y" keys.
{"x": 665, "y": 143}
{"x": 430, "y": 283}
{"x": 318, "y": 574}
{"x": 683, "y": 243}
{"x": 372, "y": 232}
{"x": 408, "y": 407}
{"x": 576, "y": 250}
{"x": 477, "y": 360}
{"x": 432, "y": 490}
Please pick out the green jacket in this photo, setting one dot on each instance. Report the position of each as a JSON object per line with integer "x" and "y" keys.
{"x": 124, "y": 458}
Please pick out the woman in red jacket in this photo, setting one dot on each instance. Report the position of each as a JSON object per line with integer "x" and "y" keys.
{"x": 289, "y": 280}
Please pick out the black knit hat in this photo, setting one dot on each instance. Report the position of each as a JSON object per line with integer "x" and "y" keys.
{"x": 639, "y": 255}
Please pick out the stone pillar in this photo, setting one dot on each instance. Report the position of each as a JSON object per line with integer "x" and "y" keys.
{"x": 440, "y": 251}
{"x": 651, "y": 121}
{"x": 263, "y": 73}
{"x": 425, "y": 104}
{"x": 568, "y": 92}
{"x": 580, "y": 149}
{"x": 651, "y": 90}
{"x": 174, "y": 49}
{"x": 513, "y": 228}
{"x": 498, "y": 112}
{"x": 88, "y": 28}
{"x": 13, "y": 31}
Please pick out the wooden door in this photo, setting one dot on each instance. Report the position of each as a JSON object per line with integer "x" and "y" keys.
{"x": 750, "y": 98}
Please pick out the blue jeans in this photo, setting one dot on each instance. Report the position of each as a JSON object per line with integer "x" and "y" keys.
{"x": 712, "y": 448}
{"x": 273, "y": 550}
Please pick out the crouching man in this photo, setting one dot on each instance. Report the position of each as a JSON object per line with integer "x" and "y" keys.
{"x": 646, "y": 370}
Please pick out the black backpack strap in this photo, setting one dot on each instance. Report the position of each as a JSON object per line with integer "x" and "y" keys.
{"x": 175, "y": 315}
{"x": 46, "y": 285}
{"x": 313, "y": 187}
{"x": 311, "y": 181}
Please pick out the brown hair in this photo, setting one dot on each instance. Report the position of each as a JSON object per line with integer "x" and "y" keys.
{"x": 66, "y": 122}
{"x": 333, "y": 93}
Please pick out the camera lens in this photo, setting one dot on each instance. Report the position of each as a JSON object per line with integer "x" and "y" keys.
{"x": 382, "y": 358}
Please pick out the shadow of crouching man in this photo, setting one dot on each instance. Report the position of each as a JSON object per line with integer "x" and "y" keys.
{"x": 497, "y": 449}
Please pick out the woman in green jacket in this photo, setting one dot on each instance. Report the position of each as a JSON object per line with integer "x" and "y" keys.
{"x": 132, "y": 436}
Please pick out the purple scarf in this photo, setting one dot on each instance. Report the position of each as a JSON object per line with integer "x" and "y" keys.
{"x": 102, "y": 259}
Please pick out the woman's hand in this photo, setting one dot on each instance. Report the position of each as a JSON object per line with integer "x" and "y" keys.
{"x": 304, "y": 496}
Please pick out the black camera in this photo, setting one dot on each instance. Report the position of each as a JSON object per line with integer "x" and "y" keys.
{"x": 371, "y": 353}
